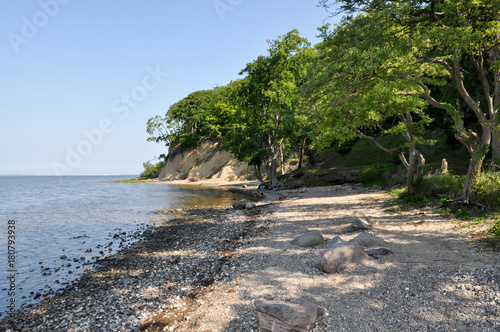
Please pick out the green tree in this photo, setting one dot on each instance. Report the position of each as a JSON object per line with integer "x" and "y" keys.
{"x": 202, "y": 114}
{"x": 362, "y": 82}
{"x": 443, "y": 34}
{"x": 267, "y": 101}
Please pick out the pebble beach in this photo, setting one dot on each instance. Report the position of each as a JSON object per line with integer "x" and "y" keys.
{"x": 204, "y": 269}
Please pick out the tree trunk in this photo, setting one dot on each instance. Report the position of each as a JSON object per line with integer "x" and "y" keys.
{"x": 409, "y": 170}
{"x": 302, "y": 152}
{"x": 476, "y": 161}
{"x": 495, "y": 136}
{"x": 258, "y": 173}
{"x": 272, "y": 161}
{"x": 421, "y": 164}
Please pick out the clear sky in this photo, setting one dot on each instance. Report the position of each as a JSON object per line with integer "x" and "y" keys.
{"x": 79, "y": 79}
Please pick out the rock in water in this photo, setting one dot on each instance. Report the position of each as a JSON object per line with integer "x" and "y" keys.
{"x": 368, "y": 240}
{"x": 286, "y": 316}
{"x": 310, "y": 239}
{"x": 359, "y": 224}
{"x": 334, "y": 241}
{"x": 340, "y": 257}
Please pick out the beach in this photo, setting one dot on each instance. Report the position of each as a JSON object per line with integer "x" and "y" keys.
{"x": 203, "y": 269}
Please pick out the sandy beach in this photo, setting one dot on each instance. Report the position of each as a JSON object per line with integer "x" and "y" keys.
{"x": 204, "y": 268}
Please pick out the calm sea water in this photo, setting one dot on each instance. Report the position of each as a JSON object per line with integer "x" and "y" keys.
{"x": 75, "y": 216}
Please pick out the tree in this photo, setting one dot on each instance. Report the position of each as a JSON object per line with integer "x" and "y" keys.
{"x": 444, "y": 34}
{"x": 361, "y": 82}
{"x": 267, "y": 101}
{"x": 202, "y": 114}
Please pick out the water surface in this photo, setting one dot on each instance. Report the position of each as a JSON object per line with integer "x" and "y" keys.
{"x": 76, "y": 217}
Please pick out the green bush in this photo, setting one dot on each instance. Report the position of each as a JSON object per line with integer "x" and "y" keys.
{"x": 440, "y": 184}
{"x": 377, "y": 174}
{"x": 151, "y": 171}
{"x": 486, "y": 190}
{"x": 495, "y": 229}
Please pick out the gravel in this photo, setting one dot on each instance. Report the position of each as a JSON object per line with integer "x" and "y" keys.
{"x": 149, "y": 286}
{"x": 204, "y": 268}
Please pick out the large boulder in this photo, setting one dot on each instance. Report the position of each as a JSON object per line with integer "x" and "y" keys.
{"x": 368, "y": 240}
{"x": 340, "y": 257}
{"x": 310, "y": 239}
{"x": 286, "y": 316}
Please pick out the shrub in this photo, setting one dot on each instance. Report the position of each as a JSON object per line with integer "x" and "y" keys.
{"x": 486, "y": 190}
{"x": 495, "y": 229}
{"x": 440, "y": 184}
{"x": 377, "y": 174}
{"x": 151, "y": 171}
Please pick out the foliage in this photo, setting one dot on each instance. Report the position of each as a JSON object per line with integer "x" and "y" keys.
{"x": 441, "y": 35}
{"x": 376, "y": 174}
{"x": 363, "y": 81}
{"x": 495, "y": 229}
{"x": 486, "y": 190}
{"x": 151, "y": 171}
{"x": 267, "y": 101}
{"x": 440, "y": 184}
{"x": 202, "y": 114}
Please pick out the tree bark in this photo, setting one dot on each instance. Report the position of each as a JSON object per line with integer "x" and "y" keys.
{"x": 258, "y": 173}
{"x": 495, "y": 136}
{"x": 302, "y": 151}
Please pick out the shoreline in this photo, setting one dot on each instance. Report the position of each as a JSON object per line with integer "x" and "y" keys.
{"x": 173, "y": 252}
{"x": 204, "y": 269}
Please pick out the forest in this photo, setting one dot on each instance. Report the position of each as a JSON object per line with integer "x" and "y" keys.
{"x": 398, "y": 69}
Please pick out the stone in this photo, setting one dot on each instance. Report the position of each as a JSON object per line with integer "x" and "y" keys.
{"x": 250, "y": 205}
{"x": 360, "y": 224}
{"x": 368, "y": 240}
{"x": 63, "y": 257}
{"x": 310, "y": 239}
{"x": 240, "y": 205}
{"x": 174, "y": 259}
{"x": 380, "y": 251}
{"x": 286, "y": 316}
{"x": 340, "y": 257}
{"x": 334, "y": 241}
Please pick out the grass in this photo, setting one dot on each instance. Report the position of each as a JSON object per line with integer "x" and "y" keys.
{"x": 486, "y": 190}
{"x": 441, "y": 184}
{"x": 133, "y": 181}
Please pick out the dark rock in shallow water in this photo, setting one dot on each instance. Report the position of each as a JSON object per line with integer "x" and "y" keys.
{"x": 359, "y": 224}
{"x": 340, "y": 257}
{"x": 310, "y": 239}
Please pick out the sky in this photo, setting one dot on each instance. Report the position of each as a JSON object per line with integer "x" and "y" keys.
{"x": 80, "y": 79}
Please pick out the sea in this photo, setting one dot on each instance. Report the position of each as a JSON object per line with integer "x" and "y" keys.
{"x": 54, "y": 228}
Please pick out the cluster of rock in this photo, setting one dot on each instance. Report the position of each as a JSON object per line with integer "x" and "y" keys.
{"x": 341, "y": 255}
{"x": 338, "y": 256}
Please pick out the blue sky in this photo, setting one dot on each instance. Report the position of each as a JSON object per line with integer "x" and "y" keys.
{"x": 79, "y": 79}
